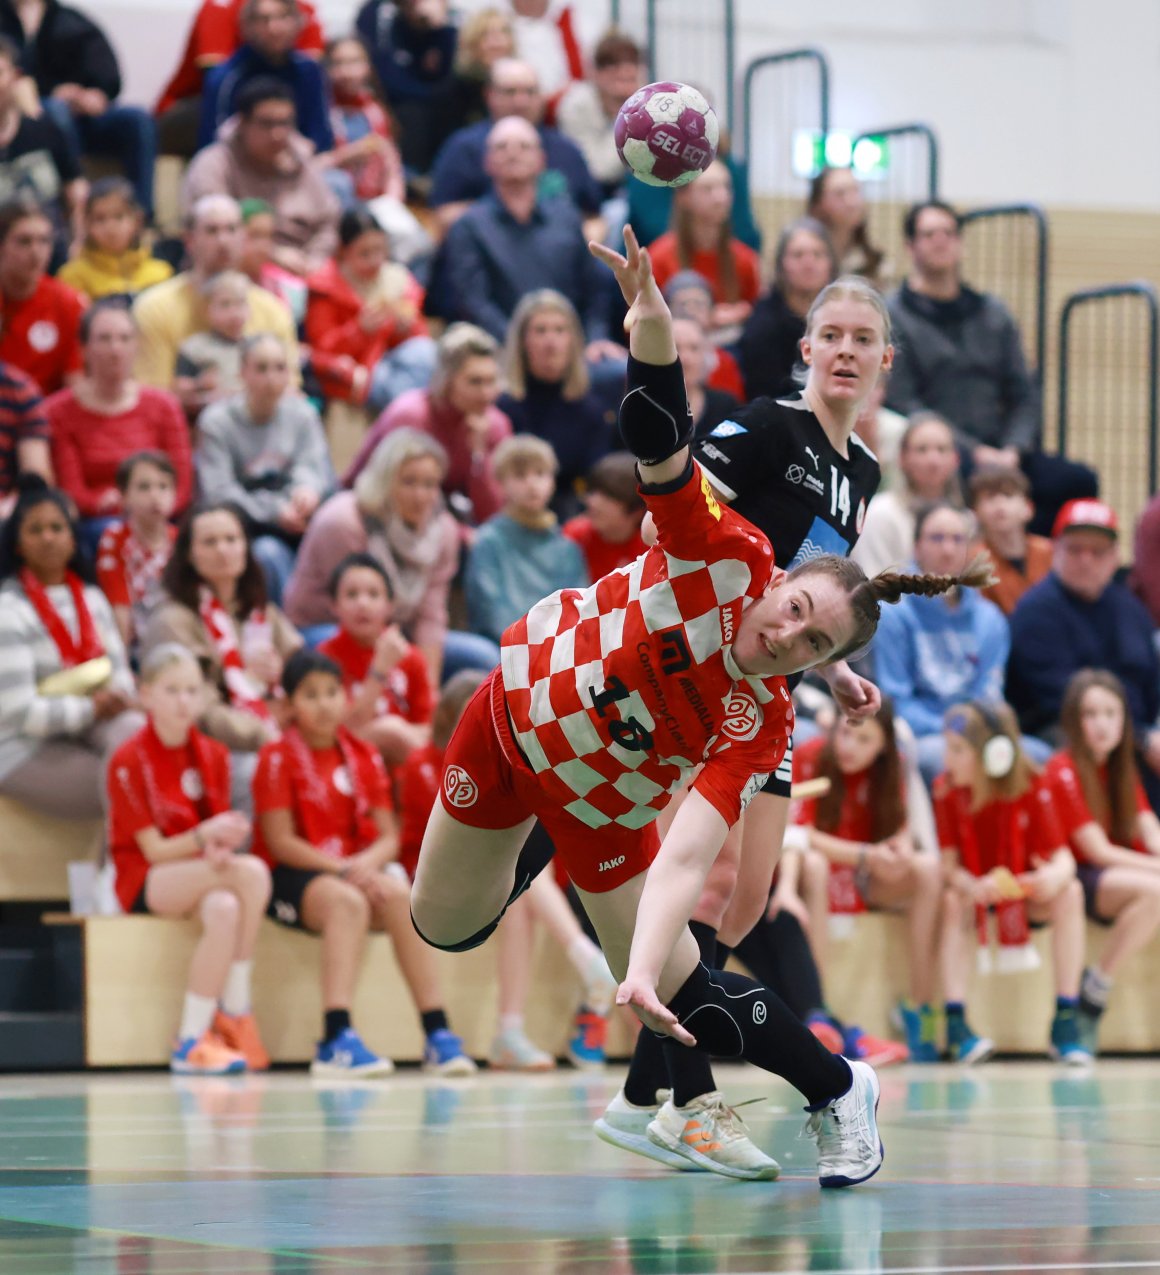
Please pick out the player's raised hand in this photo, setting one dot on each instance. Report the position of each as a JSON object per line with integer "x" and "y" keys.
{"x": 633, "y": 271}
{"x": 641, "y": 995}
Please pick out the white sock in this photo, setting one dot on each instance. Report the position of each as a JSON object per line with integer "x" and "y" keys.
{"x": 236, "y": 995}
{"x": 196, "y": 1015}
{"x": 511, "y": 1023}
{"x": 599, "y": 985}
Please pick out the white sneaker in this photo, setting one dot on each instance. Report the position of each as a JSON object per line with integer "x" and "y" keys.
{"x": 626, "y": 1126}
{"x": 709, "y": 1134}
{"x": 846, "y": 1131}
{"x": 513, "y": 1051}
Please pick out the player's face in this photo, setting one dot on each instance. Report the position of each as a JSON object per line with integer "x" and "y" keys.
{"x": 1101, "y": 718}
{"x": 150, "y": 494}
{"x": 175, "y": 698}
{"x": 416, "y": 489}
{"x": 961, "y": 763}
{"x": 361, "y": 604}
{"x": 845, "y": 351}
{"x": 318, "y": 703}
{"x": 929, "y": 459}
{"x": 217, "y": 548}
{"x": 941, "y": 547}
{"x": 796, "y": 625}
{"x": 857, "y": 744}
{"x": 1085, "y": 561}
{"x": 548, "y": 345}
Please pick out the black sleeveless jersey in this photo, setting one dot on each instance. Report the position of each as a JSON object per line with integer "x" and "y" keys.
{"x": 775, "y": 465}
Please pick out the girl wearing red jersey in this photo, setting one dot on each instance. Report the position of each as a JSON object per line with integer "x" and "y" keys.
{"x": 174, "y": 843}
{"x": 605, "y": 701}
{"x": 326, "y": 826}
{"x": 386, "y": 679}
{"x": 860, "y": 853}
{"x": 1112, "y": 829}
{"x": 1004, "y": 852}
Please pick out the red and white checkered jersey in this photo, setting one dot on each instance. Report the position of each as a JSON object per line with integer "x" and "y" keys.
{"x": 616, "y": 691}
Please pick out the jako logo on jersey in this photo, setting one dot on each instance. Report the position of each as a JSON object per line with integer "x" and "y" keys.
{"x": 743, "y": 717}
{"x": 813, "y": 455}
{"x": 860, "y": 517}
{"x": 608, "y": 864}
{"x": 710, "y": 499}
{"x": 727, "y": 429}
{"x": 459, "y": 787}
{"x": 795, "y": 473}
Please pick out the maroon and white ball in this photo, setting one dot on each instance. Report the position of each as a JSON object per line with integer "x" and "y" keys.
{"x": 667, "y": 133}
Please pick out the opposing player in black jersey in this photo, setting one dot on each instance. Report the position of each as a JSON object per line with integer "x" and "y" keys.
{"x": 795, "y": 468}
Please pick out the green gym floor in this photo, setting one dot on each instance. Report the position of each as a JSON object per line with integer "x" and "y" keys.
{"x": 1013, "y": 1167}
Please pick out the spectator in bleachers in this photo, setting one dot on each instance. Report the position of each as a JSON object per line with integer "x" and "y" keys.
{"x": 257, "y": 258}
{"x": 769, "y": 350}
{"x": 24, "y": 440}
{"x": 216, "y": 606}
{"x": 74, "y": 68}
{"x": 689, "y": 295}
{"x": 213, "y": 358}
{"x": 1000, "y": 498}
{"x": 412, "y": 45}
{"x": 520, "y": 554}
{"x": 881, "y": 430}
{"x": 172, "y": 311}
{"x": 1145, "y": 577}
{"x": 325, "y": 824}
{"x": 709, "y": 407}
{"x": 66, "y": 689}
{"x": 961, "y": 355}
{"x": 395, "y": 513}
{"x": 485, "y": 37}
{"x": 1080, "y": 617}
{"x": 387, "y": 683}
{"x": 106, "y": 416}
{"x": 1113, "y": 832}
{"x": 608, "y": 531}
{"x": 112, "y": 260}
{"x": 547, "y": 390}
{"x": 270, "y": 30}
{"x": 933, "y": 652}
{"x": 461, "y": 174}
{"x": 702, "y": 239}
{"x": 836, "y": 200}
{"x": 39, "y": 316}
{"x": 134, "y": 548}
{"x": 555, "y": 36}
{"x": 930, "y": 464}
{"x": 264, "y": 450}
{"x": 513, "y": 241}
{"x": 364, "y": 140}
{"x": 260, "y": 154}
{"x": 587, "y": 111}
{"x": 364, "y": 319}
{"x": 213, "y": 38}
{"x": 458, "y": 409}
{"x": 174, "y": 843}
{"x": 1004, "y": 851}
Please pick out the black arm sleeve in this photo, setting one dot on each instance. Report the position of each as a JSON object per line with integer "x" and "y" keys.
{"x": 655, "y": 421}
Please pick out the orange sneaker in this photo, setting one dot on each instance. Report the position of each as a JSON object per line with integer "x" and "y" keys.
{"x": 205, "y": 1056}
{"x": 240, "y": 1032}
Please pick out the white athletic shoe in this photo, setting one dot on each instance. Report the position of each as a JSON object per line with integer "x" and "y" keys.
{"x": 710, "y": 1135}
{"x": 846, "y": 1131}
{"x": 626, "y": 1126}
{"x": 513, "y": 1051}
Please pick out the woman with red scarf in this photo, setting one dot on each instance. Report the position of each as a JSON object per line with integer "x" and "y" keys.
{"x": 1007, "y": 867}
{"x": 216, "y": 607}
{"x": 326, "y": 826}
{"x": 174, "y": 841}
{"x": 65, "y": 684}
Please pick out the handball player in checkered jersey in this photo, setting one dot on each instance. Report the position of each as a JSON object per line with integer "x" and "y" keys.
{"x": 604, "y": 702}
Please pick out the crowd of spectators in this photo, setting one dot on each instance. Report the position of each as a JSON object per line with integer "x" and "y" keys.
{"x": 397, "y": 222}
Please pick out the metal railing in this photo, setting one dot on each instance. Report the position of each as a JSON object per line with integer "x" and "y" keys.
{"x": 911, "y": 175}
{"x": 795, "y": 96}
{"x": 1109, "y": 362}
{"x": 1007, "y": 255}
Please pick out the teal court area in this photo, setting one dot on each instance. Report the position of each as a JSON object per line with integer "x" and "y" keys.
{"x": 1015, "y": 1167}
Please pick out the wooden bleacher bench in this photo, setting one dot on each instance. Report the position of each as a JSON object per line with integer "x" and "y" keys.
{"x": 35, "y": 851}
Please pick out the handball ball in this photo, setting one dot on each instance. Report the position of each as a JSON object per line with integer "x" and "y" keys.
{"x": 667, "y": 134}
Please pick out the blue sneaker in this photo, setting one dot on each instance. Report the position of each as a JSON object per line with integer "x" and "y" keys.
{"x": 921, "y": 1027}
{"x": 205, "y": 1056}
{"x": 444, "y": 1055}
{"x": 1067, "y": 1045}
{"x": 589, "y": 1032}
{"x": 346, "y": 1055}
{"x": 964, "y": 1046}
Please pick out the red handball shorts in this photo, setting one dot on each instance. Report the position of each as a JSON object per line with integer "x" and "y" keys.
{"x": 488, "y": 784}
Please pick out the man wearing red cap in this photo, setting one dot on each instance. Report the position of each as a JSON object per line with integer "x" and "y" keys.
{"x": 1079, "y": 617}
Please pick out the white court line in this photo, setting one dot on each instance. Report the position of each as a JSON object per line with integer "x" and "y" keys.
{"x": 986, "y": 1270}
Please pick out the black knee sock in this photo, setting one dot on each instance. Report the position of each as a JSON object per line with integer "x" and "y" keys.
{"x": 778, "y": 955}
{"x": 658, "y": 1062}
{"x": 734, "y": 1017}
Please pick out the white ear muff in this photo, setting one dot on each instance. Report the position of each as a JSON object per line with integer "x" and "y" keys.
{"x": 998, "y": 756}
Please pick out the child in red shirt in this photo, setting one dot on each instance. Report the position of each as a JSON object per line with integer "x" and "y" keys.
{"x": 387, "y": 682}
{"x": 325, "y": 825}
{"x": 1112, "y": 829}
{"x": 1004, "y": 851}
{"x": 608, "y": 533}
{"x": 133, "y": 552}
{"x": 174, "y": 843}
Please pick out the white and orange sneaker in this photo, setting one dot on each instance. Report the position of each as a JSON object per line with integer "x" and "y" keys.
{"x": 240, "y": 1033}
{"x": 710, "y": 1135}
{"x": 205, "y": 1055}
